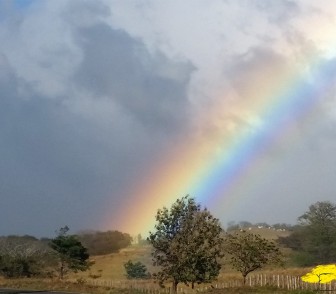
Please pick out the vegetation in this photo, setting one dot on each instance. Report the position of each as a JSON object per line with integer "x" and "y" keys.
{"x": 187, "y": 247}
{"x": 314, "y": 239}
{"x": 249, "y": 252}
{"x": 100, "y": 243}
{"x": 186, "y": 244}
{"x": 321, "y": 274}
{"x": 136, "y": 270}
{"x": 23, "y": 257}
{"x": 71, "y": 254}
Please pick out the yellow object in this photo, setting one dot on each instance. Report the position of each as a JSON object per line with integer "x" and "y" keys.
{"x": 321, "y": 274}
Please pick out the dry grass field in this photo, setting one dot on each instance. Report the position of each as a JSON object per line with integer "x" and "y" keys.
{"x": 111, "y": 266}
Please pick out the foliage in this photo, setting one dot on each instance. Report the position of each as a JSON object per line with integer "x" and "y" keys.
{"x": 140, "y": 241}
{"x": 319, "y": 223}
{"x": 100, "y": 243}
{"x": 186, "y": 244}
{"x": 314, "y": 239}
{"x": 249, "y": 252}
{"x": 22, "y": 256}
{"x": 71, "y": 254}
{"x": 136, "y": 270}
{"x": 321, "y": 274}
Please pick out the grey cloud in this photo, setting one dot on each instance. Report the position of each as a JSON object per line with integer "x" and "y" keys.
{"x": 85, "y": 13}
{"x": 61, "y": 166}
{"x": 255, "y": 65}
{"x": 47, "y": 165}
{"x": 278, "y": 12}
{"x": 121, "y": 68}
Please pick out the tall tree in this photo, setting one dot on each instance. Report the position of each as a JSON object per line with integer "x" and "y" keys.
{"x": 249, "y": 252}
{"x": 186, "y": 244}
{"x": 72, "y": 255}
{"x": 313, "y": 240}
{"x": 319, "y": 227}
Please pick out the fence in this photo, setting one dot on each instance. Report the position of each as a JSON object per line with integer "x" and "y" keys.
{"x": 279, "y": 281}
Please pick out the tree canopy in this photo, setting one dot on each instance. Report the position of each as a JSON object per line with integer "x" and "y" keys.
{"x": 99, "y": 243}
{"x": 72, "y": 255}
{"x": 186, "y": 244}
{"x": 136, "y": 270}
{"x": 314, "y": 239}
{"x": 249, "y": 252}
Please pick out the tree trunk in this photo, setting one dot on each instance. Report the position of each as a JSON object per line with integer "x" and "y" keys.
{"x": 244, "y": 280}
{"x": 174, "y": 287}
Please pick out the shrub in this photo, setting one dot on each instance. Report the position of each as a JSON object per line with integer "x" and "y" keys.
{"x": 136, "y": 270}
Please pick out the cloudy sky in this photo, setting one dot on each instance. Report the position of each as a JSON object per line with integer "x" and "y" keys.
{"x": 96, "y": 94}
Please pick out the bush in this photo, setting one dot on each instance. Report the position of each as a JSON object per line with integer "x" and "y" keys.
{"x": 136, "y": 270}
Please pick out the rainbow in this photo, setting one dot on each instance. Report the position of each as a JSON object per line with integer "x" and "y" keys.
{"x": 212, "y": 165}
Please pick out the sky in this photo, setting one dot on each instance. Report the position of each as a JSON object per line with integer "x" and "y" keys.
{"x": 112, "y": 109}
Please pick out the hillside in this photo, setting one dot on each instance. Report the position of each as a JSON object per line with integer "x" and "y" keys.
{"x": 111, "y": 266}
{"x": 270, "y": 234}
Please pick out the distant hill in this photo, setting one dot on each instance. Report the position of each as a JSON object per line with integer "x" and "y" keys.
{"x": 267, "y": 232}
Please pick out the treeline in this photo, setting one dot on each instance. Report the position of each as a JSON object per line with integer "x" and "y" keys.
{"x": 24, "y": 256}
{"x": 28, "y": 256}
{"x": 100, "y": 243}
{"x": 243, "y": 225}
{"x": 313, "y": 238}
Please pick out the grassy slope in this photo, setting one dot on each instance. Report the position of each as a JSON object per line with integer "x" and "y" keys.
{"x": 111, "y": 266}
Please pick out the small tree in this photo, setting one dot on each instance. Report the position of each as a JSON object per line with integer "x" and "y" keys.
{"x": 321, "y": 274}
{"x": 72, "y": 255}
{"x": 187, "y": 244}
{"x": 136, "y": 270}
{"x": 249, "y": 252}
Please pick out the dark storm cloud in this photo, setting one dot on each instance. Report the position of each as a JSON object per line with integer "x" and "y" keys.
{"x": 47, "y": 170}
{"x": 119, "y": 67}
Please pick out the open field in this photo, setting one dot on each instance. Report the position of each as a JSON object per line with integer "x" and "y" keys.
{"x": 111, "y": 266}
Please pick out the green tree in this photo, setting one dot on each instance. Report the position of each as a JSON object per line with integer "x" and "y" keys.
{"x": 313, "y": 240}
{"x": 319, "y": 228}
{"x": 249, "y": 252}
{"x": 136, "y": 270}
{"x": 186, "y": 244}
{"x": 71, "y": 254}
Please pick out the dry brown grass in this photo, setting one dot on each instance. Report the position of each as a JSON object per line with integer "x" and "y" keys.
{"x": 111, "y": 266}
{"x": 55, "y": 285}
